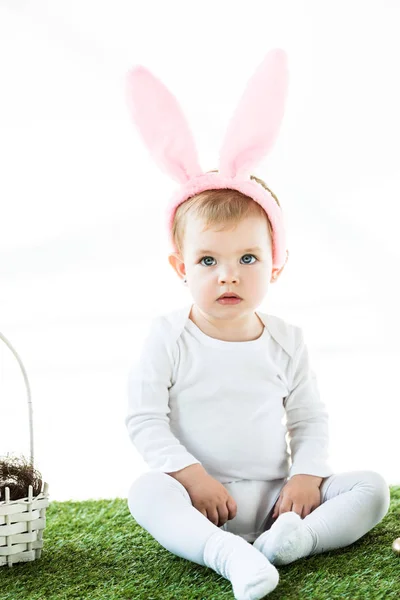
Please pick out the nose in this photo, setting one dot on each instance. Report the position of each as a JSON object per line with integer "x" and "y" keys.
{"x": 223, "y": 279}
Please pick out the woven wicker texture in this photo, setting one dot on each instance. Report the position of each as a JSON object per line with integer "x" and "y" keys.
{"x": 22, "y": 521}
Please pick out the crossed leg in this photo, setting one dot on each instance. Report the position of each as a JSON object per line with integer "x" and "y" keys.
{"x": 352, "y": 503}
{"x": 162, "y": 506}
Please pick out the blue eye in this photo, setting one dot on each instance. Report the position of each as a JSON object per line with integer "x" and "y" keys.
{"x": 247, "y": 263}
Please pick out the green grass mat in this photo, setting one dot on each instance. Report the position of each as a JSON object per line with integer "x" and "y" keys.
{"x": 95, "y": 550}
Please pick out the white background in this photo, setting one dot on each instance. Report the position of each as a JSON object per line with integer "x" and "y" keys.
{"x": 83, "y": 249}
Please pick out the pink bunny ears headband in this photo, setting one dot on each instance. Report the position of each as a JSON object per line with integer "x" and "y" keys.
{"x": 250, "y": 135}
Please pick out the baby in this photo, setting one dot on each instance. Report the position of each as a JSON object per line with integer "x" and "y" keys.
{"x": 223, "y": 403}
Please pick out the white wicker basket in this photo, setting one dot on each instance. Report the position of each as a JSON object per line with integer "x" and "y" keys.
{"x": 22, "y": 521}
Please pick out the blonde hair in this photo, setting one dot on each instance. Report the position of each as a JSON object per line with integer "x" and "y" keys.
{"x": 215, "y": 207}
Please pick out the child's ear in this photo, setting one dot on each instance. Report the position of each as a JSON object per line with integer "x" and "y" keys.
{"x": 276, "y": 272}
{"x": 177, "y": 264}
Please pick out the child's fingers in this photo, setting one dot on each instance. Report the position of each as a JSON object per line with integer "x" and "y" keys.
{"x": 232, "y": 507}
{"x": 276, "y": 509}
{"x": 285, "y": 505}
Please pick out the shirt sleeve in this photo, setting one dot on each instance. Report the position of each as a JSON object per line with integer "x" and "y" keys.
{"x": 307, "y": 419}
{"x": 147, "y": 420}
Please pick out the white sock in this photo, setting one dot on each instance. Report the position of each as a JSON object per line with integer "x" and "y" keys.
{"x": 287, "y": 540}
{"x": 251, "y": 574}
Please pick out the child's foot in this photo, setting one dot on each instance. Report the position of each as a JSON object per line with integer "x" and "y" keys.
{"x": 287, "y": 540}
{"x": 251, "y": 574}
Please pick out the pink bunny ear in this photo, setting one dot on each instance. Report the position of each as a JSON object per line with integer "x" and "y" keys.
{"x": 254, "y": 127}
{"x": 162, "y": 125}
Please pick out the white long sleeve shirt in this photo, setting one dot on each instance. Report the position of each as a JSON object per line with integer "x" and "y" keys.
{"x": 244, "y": 410}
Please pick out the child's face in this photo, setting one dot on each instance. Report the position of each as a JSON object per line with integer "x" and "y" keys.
{"x": 227, "y": 265}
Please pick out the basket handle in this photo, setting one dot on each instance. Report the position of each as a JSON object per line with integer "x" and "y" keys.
{"x": 27, "y": 389}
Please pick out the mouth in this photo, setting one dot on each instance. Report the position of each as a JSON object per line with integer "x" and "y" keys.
{"x": 229, "y": 296}
{"x": 229, "y": 299}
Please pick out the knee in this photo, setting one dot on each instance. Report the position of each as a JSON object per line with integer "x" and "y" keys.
{"x": 380, "y": 492}
{"x": 142, "y": 490}
{"x": 149, "y": 489}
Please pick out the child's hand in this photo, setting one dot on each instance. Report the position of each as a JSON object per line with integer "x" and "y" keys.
{"x": 212, "y": 499}
{"x": 301, "y": 495}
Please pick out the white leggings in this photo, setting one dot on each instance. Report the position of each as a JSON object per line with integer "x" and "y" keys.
{"x": 352, "y": 503}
